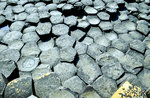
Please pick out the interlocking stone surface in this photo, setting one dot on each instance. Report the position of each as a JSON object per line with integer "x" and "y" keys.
{"x": 73, "y": 48}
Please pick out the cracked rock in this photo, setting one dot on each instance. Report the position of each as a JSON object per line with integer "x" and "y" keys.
{"x": 28, "y": 63}
{"x": 43, "y": 28}
{"x": 80, "y": 47}
{"x": 18, "y": 9}
{"x": 89, "y": 94}
{"x": 102, "y": 40}
{"x": 105, "y": 25}
{"x": 16, "y": 44}
{"x": 75, "y": 84}
{"x": 21, "y": 16}
{"x": 65, "y": 70}
{"x": 83, "y": 24}
{"x": 143, "y": 28}
{"x": 46, "y": 83}
{"x": 147, "y": 62}
{"x": 94, "y": 32}
{"x": 103, "y": 16}
{"x": 33, "y": 18}
{"x": 60, "y": 29}
{"x": 2, "y": 19}
{"x": 3, "y": 83}
{"x": 93, "y": 20}
{"x": 89, "y": 72}
{"x": 77, "y": 34}
{"x": 30, "y": 37}
{"x": 19, "y": 87}
{"x": 56, "y": 19}
{"x": 90, "y": 10}
{"x": 99, "y": 4}
{"x": 70, "y": 20}
{"x": 105, "y": 86}
{"x": 17, "y": 26}
{"x": 120, "y": 28}
{"x": 87, "y": 40}
{"x": 87, "y": 2}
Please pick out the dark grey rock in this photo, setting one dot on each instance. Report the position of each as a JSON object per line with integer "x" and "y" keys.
{"x": 90, "y": 10}
{"x": 10, "y": 54}
{"x": 61, "y": 92}
{"x": 99, "y": 4}
{"x": 103, "y": 16}
{"x": 2, "y": 19}
{"x": 11, "y": 36}
{"x": 105, "y": 25}
{"x": 70, "y": 20}
{"x": 30, "y": 48}
{"x": 93, "y": 19}
{"x": 105, "y": 86}
{"x": 67, "y": 54}
{"x": 94, "y": 50}
{"x": 16, "y": 44}
{"x": 3, "y": 83}
{"x": 89, "y": 72}
{"x": 44, "y": 46}
{"x": 143, "y": 28}
{"x": 20, "y": 87}
{"x": 65, "y": 70}
{"x": 18, "y": 9}
{"x": 40, "y": 71}
{"x": 60, "y": 29}
{"x": 138, "y": 45}
{"x": 50, "y": 56}
{"x": 28, "y": 63}
{"x": 120, "y": 45}
{"x": 102, "y": 40}
{"x": 77, "y": 34}
{"x": 5, "y": 65}
{"x": 65, "y": 41}
{"x": 80, "y": 47}
{"x": 113, "y": 71}
{"x": 29, "y": 37}
{"x": 144, "y": 77}
{"x": 75, "y": 84}
{"x": 55, "y": 19}
{"x": 33, "y": 18}
{"x": 46, "y": 83}
{"x": 94, "y": 32}
{"x": 43, "y": 28}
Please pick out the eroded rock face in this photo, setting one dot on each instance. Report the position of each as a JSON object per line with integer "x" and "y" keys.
{"x": 73, "y": 48}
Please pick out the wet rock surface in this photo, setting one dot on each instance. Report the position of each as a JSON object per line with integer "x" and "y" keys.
{"x": 73, "y": 48}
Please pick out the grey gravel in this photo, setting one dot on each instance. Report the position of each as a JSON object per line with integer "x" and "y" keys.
{"x": 60, "y": 29}
{"x": 43, "y": 28}
{"x": 50, "y": 56}
{"x": 65, "y": 41}
{"x": 67, "y": 54}
{"x": 27, "y": 63}
{"x": 105, "y": 86}
{"x": 46, "y": 84}
{"x": 75, "y": 84}
{"x": 70, "y": 20}
{"x": 89, "y": 72}
{"x": 5, "y": 65}
{"x": 65, "y": 70}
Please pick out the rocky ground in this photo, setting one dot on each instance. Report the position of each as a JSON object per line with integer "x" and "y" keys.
{"x": 73, "y": 48}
